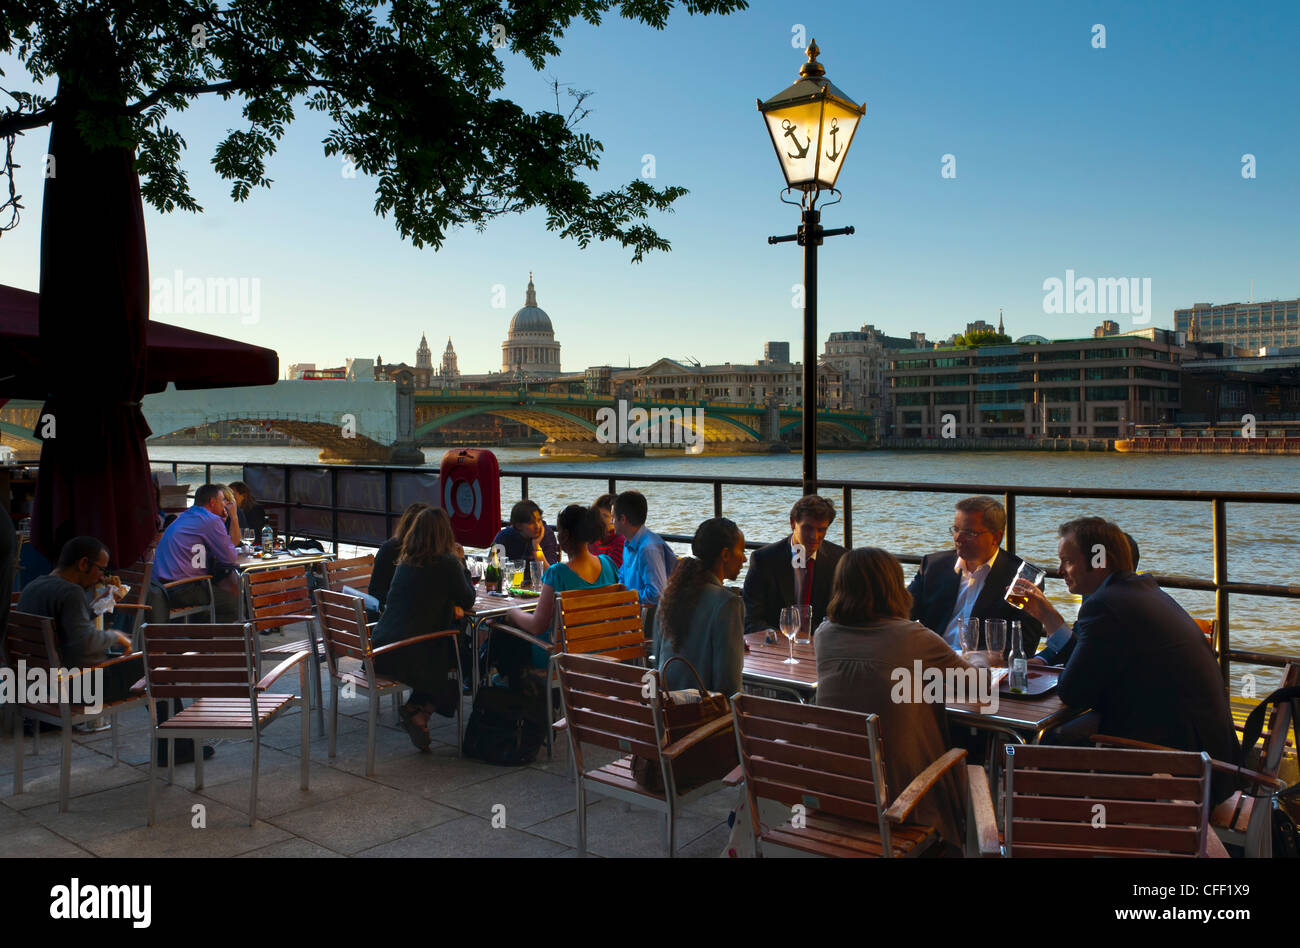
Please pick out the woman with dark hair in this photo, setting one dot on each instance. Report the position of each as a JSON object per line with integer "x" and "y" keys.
{"x": 699, "y": 618}
{"x": 575, "y": 529}
{"x": 864, "y": 645}
{"x": 431, "y": 591}
{"x": 252, "y": 516}
{"x": 381, "y": 573}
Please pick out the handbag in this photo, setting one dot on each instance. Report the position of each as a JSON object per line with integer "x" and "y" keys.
{"x": 506, "y": 727}
{"x": 684, "y": 711}
{"x": 1286, "y": 836}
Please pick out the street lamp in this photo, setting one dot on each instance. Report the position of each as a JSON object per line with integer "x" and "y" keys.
{"x": 811, "y": 125}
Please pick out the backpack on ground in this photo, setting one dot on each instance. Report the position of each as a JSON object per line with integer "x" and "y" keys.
{"x": 507, "y": 727}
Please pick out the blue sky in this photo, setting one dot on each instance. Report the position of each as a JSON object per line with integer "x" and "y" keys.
{"x": 1117, "y": 162}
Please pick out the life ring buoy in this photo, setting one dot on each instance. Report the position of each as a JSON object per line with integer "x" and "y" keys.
{"x": 471, "y": 495}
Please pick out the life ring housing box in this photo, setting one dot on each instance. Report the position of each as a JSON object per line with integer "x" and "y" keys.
{"x": 470, "y": 487}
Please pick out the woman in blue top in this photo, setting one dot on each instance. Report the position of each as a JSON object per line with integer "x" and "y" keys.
{"x": 575, "y": 528}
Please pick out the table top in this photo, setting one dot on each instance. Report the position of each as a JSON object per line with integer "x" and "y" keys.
{"x": 486, "y": 606}
{"x": 764, "y": 665}
{"x": 250, "y": 561}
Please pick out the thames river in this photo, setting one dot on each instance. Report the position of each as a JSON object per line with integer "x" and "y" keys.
{"x": 1175, "y": 538}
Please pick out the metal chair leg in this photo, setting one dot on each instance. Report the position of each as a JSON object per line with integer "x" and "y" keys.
{"x": 372, "y": 723}
{"x": 316, "y": 680}
{"x": 171, "y": 761}
{"x": 334, "y": 716}
{"x": 582, "y": 818}
{"x": 18, "y": 752}
{"x": 153, "y": 771}
{"x": 304, "y": 766}
{"x": 198, "y": 764}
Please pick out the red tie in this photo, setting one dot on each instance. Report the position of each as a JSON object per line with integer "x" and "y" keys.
{"x": 808, "y": 583}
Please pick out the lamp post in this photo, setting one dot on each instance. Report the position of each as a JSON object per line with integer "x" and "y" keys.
{"x": 811, "y": 124}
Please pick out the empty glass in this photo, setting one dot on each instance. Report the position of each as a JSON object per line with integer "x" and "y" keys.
{"x": 969, "y": 630}
{"x": 995, "y": 631}
{"x": 1029, "y": 571}
{"x": 791, "y": 623}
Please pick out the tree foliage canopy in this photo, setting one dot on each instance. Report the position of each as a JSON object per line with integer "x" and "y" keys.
{"x": 983, "y": 337}
{"x": 411, "y": 86}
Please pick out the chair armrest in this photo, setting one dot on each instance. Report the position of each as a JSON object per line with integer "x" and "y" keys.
{"x": 703, "y": 732}
{"x": 906, "y": 801}
{"x": 521, "y": 634}
{"x": 140, "y": 685}
{"x": 428, "y": 636}
{"x": 117, "y": 660}
{"x": 129, "y": 605}
{"x": 278, "y": 670}
{"x": 1214, "y": 848}
{"x": 735, "y": 778}
{"x": 981, "y": 821}
{"x": 187, "y": 579}
{"x": 561, "y": 725}
{"x": 1253, "y": 776}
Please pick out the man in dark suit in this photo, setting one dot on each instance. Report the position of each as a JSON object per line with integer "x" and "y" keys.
{"x": 971, "y": 580}
{"x": 1135, "y": 656}
{"x": 779, "y": 572}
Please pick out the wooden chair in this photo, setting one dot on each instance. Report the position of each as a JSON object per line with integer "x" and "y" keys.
{"x": 609, "y": 704}
{"x": 346, "y": 634}
{"x": 30, "y": 640}
{"x": 1095, "y": 801}
{"x": 354, "y": 573}
{"x": 1237, "y": 821}
{"x": 276, "y": 597}
{"x": 1211, "y": 629}
{"x": 138, "y": 576}
{"x": 829, "y": 762}
{"x": 216, "y": 667}
{"x": 604, "y": 621}
{"x": 164, "y": 590}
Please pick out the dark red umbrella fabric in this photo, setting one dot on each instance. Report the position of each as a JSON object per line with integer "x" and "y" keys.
{"x": 188, "y": 358}
{"x": 94, "y": 476}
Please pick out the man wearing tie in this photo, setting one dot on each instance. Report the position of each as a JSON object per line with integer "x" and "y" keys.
{"x": 970, "y": 580}
{"x": 795, "y": 571}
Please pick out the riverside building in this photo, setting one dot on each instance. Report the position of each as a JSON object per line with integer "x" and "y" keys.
{"x": 1250, "y": 325}
{"x": 1084, "y": 388}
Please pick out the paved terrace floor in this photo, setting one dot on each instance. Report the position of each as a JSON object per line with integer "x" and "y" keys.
{"x": 425, "y": 805}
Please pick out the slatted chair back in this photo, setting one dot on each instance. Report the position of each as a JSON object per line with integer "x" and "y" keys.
{"x": 609, "y": 704}
{"x": 138, "y": 576}
{"x": 277, "y": 597}
{"x": 353, "y": 573}
{"x": 30, "y": 639}
{"x": 823, "y": 759}
{"x": 192, "y": 660}
{"x": 343, "y": 626}
{"x": 605, "y": 622}
{"x": 1096, "y": 801}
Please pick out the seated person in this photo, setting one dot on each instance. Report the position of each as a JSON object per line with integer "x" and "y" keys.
{"x": 971, "y": 580}
{"x": 576, "y": 527}
{"x": 647, "y": 559}
{"x": 252, "y": 516}
{"x": 381, "y": 572}
{"x": 431, "y": 591}
{"x": 201, "y": 542}
{"x": 612, "y": 542}
{"x": 774, "y": 581}
{"x": 866, "y": 640}
{"x": 62, "y": 596}
{"x": 528, "y": 532}
{"x": 1134, "y": 655}
{"x": 699, "y": 618}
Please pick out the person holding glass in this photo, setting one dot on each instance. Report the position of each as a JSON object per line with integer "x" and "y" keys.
{"x": 864, "y": 645}
{"x": 972, "y": 580}
{"x": 698, "y": 617}
{"x": 252, "y": 515}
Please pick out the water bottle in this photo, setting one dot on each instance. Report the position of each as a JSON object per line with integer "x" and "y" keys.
{"x": 1019, "y": 665}
{"x": 268, "y": 539}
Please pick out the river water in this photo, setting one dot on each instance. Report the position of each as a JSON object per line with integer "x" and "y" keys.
{"x": 1175, "y": 538}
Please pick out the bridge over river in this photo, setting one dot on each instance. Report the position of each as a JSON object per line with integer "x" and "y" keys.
{"x": 385, "y": 422}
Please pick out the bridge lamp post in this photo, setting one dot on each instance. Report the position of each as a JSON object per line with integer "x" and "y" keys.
{"x": 811, "y": 124}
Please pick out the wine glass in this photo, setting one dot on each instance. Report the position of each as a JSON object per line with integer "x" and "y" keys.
{"x": 969, "y": 630}
{"x": 791, "y": 623}
{"x": 805, "y": 626}
{"x": 249, "y": 536}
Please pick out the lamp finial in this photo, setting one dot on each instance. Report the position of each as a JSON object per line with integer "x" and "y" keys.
{"x": 812, "y": 69}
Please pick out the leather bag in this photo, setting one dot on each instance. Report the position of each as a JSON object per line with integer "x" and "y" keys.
{"x": 684, "y": 711}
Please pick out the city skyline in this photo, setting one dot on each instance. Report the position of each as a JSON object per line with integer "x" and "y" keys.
{"x": 1068, "y": 158}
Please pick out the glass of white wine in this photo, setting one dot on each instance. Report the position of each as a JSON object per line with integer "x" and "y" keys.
{"x": 791, "y": 624}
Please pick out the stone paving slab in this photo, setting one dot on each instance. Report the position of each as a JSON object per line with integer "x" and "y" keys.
{"x": 527, "y": 798}
{"x": 364, "y": 820}
{"x": 36, "y": 842}
{"x": 292, "y": 849}
{"x": 468, "y": 837}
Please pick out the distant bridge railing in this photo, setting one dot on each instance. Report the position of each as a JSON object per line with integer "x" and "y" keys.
{"x": 1222, "y": 588}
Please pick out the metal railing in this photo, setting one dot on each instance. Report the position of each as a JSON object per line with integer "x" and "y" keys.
{"x": 1220, "y": 585}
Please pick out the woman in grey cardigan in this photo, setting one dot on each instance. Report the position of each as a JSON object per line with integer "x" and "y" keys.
{"x": 863, "y": 648}
{"x": 699, "y": 618}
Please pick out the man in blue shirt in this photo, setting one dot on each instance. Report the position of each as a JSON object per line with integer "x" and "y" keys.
{"x": 647, "y": 560}
{"x": 201, "y": 542}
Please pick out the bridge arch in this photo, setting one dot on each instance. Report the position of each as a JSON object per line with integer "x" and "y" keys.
{"x": 851, "y": 432}
{"x": 556, "y": 424}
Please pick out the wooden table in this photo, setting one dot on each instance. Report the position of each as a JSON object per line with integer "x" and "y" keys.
{"x": 487, "y": 607}
{"x": 1024, "y": 720}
